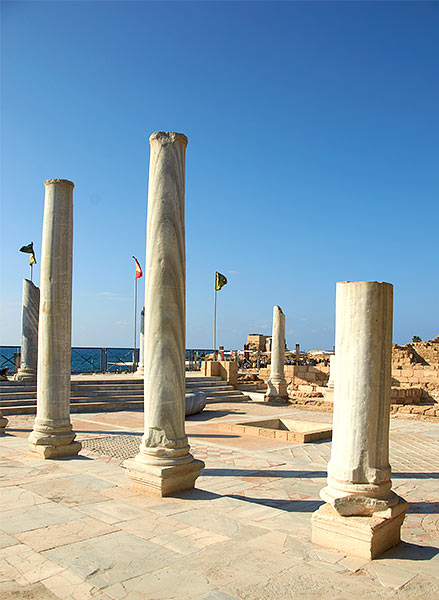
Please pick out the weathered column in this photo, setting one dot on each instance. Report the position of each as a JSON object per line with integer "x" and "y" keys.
{"x": 359, "y": 472}
{"x": 277, "y": 385}
{"x": 331, "y": 379}
{"x": 141, "y": 365}
{"x": 164, "y": 464}
{"x": 29, "y": 337}
{"x": 297, "y": 354}
{"x": 52, "y": 435}
{"x": 3, "y": 422}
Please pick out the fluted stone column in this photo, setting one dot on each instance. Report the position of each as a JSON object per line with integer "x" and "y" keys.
{"x": 29, "y": 338}
{"x": 164, "y": 464}
{"x": 141, "y": 366}
{"x": 52, "y": 435}
{"x": 277, "y": 385}
{"x": 359, "y": 471}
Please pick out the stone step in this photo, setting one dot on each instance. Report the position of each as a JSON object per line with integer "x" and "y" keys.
{"x": 240, "y": 398}
{"x": 94, "y": 393}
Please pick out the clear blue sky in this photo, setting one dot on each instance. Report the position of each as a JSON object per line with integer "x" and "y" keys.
{"x": 312, "y": 156}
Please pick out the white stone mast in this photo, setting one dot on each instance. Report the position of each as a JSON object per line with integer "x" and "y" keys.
{"x": 164, "y": 465}
{"x": 277, "y": 384}
{"x": 359, "y": 471}
{"x": 29, "y": 337}
{"x": 52, "y": 435}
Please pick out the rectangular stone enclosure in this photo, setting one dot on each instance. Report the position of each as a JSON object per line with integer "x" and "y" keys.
{"x": 286, "y": 430}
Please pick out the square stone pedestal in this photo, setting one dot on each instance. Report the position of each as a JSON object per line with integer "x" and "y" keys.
{"x": 367, "y": 537}
{"x": 49, "y": 451}
{"x": 156, "y": 480}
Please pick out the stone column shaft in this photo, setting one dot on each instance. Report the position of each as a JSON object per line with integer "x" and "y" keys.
{"x": 359, "y": 472}
{"x": 52, "y": 434}
{"x": 29, "y": 338}
{"x": 141, "y": 365}
{"x": 360, "y": 443}
{"x": 164, "y": 464}
{"x": 277, "y": 385}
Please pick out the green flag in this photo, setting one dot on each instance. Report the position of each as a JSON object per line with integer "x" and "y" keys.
{"x": 29, "y": 249}
{"x": 220, "y": 281}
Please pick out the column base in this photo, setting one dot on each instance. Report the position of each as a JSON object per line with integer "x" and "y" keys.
{"x": 276, "y": 392}
{"x": 140, "y": 371}
{"x": 366, "y": 537}
{"x": 3, "y": 422}
{"x": 25, "y": 375}
{"x": 51, "y": 451}
{"x": 163, "y": 480}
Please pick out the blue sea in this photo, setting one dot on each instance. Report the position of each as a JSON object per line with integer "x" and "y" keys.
{"x": 93, "y": 360}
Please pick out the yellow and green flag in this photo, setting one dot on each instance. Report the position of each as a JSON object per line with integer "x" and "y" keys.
{"x": 220, "y": 281}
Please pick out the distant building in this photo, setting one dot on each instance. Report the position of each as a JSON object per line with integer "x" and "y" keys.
{"x": 257, "y": 341}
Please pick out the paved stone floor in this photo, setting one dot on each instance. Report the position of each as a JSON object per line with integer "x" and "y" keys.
{"x": 74, "y": 529}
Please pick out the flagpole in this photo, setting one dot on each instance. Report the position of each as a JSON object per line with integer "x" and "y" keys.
{"x": 31, "y": 266}
{"x": 135, "y": 323}
{"x": 214, "y": 325}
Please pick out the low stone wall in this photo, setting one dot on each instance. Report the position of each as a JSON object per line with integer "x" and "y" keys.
{"x": 227, "y": 370}
{"x": 426, "y": 412}
{"x": 300, "y": 375}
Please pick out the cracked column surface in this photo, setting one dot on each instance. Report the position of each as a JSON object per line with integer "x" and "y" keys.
{"x": 29, "y": 337}
{"x": 52, "y": 435}
{"x": 277, "y": 385}
{"x": 164, "y": 464}
{"x": 359, "y": 471}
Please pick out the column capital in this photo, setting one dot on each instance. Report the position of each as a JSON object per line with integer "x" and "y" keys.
{"x": 59, "y": 181}
{"x": 168, "y": 137}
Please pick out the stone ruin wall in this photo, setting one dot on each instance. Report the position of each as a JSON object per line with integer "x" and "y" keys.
{"x": 415, "y": 374}
{"x": 417, "y": 365}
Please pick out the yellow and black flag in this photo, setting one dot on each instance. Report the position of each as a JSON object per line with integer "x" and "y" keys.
{"x": 29, "y": 249}
{"x": 220, "y": 281}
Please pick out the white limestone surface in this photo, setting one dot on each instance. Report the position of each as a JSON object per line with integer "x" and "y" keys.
{"x": 52, "y": 434}
{"x": 164, "y": 464}
{"x": 359, "y": 469}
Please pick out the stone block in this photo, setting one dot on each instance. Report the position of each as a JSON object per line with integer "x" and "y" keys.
{"x": 166, "y": 480}
{"x": 366, "y": 537}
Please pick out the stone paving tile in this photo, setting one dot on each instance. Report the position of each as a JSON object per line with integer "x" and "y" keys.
{"x": 112, "y": 511}
{"x": 390, "y": 576}
{"x": 37, "y": 516}
{"x": 111, "y": 558}
{"x": 62, "y": 534}
{"x": 16, "y": 497}
{"x": 31, "y": 566}
{"x": 6, "y": 540}
{"x": 67, "y": 585}
{"x": 162, "y": 585}
{"x": 36, "y": 591}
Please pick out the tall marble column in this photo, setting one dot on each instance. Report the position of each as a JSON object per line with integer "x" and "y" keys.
{"x": 141, "y": 365}
{"x": 52, "y": 435}
{"x": 359, "y": 471}
{"x": 29, "y": 337}
{"x": 164, "y": 465}
{"x": 277, "y": 385}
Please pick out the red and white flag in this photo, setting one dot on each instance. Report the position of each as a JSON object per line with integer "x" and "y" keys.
{"x": 138, "y": 268}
